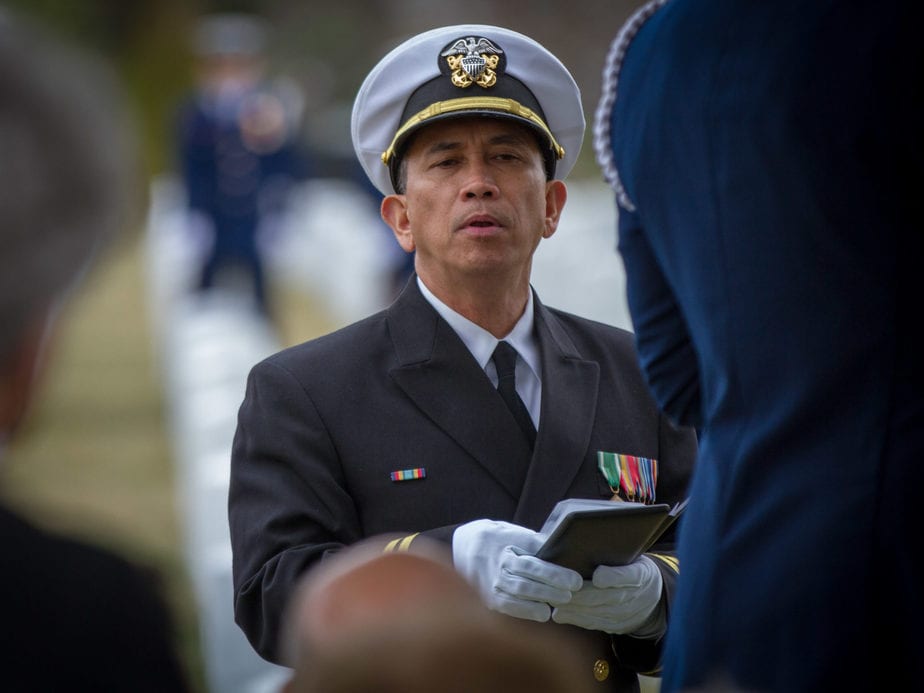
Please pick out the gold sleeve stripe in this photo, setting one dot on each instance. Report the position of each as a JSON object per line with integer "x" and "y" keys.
{"x": 671, "y": 562}
{"x": 402, "y": 544}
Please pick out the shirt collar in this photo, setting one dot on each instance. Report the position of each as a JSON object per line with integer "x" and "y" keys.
{"x": 482, "y": 343}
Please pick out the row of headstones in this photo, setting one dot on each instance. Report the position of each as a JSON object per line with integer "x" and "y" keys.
{"x": 206, "y": 344}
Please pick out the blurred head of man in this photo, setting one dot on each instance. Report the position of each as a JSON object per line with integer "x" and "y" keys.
{"x": 66, "y": 189}
{"x": 362, "y": 585}
{"x": 407, "y": 621}
{"x": 230, "y": 52}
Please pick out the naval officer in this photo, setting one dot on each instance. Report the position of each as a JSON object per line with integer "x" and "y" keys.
{"x": 466, "y": 409}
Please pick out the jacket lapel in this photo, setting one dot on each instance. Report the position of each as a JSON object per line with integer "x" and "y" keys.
{"x": 569, "y": 402}
{"x": 436, "y": 370}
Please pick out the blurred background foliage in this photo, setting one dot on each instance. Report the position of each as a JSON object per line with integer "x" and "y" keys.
{"x": 94, "y": 459}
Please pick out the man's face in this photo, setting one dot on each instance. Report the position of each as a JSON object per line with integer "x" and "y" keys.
{"x": 477, "y": 201}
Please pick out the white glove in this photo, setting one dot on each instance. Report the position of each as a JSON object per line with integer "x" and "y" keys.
{"x": 620, "y": 600}
{"x": 496, "y": 557}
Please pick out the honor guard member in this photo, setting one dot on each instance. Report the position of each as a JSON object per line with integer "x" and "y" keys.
{"x": 239, "y": 154}
{"x": 765, "y": 158}
{"x": 467, "y": 409}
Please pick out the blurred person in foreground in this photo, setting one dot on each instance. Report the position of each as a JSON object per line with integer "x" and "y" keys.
{"x": 369, "y": 620}
{"x": 395, "y": 424}
{"x": 239, "y": 154}
{"x": 767, "y": 158}
{"x": 76, "y": 617}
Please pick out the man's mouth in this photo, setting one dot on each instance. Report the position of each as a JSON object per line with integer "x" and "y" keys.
{"x": 481, "y": 221}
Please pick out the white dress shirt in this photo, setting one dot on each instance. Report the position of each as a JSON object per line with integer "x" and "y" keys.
{"x": 482, "y": 343}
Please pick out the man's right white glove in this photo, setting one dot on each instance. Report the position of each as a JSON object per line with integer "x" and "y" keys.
{"x": 497, "y": 558}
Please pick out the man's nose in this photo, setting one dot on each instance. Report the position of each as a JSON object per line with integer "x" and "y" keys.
{"x": 480, "y": 182}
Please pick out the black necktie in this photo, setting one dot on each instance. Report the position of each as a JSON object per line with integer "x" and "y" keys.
{"x": 505, "y": 361}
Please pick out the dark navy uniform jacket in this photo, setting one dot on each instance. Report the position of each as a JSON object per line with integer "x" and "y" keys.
{"x": 81, "y": 618}
{"x": 324, "y": 424}
{"x": 233, "y": 181}
{"x": 225, "y": 177}
{"x": 770, "y": 155}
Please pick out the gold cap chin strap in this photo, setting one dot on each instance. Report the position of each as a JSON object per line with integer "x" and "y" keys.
{"x": 490, "y": 103}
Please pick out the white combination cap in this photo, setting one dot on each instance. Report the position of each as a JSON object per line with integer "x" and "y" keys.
{"x": 460, "y": 71}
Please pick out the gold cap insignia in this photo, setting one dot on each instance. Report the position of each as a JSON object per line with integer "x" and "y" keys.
{"x": 473, "y": 60}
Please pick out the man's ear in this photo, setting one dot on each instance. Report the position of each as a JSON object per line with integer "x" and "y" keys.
{"x": 556, "y": 194}
{"x": 19, "y": 371}
{"x": 394, "y": 212}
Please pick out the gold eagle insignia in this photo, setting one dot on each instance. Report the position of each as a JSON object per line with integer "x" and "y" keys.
{"x": 473, "y": 60}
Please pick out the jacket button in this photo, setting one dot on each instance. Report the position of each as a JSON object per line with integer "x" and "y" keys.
{"x": 601, "y": 669}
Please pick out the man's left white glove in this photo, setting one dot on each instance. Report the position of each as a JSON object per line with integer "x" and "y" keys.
{"x": 495, "y": 557}
{"x": 618, "y": 600}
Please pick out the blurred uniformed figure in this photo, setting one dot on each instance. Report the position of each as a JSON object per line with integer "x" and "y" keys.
{"x": 766, "y": 158}
{"x": 467, "y": 409}
{"x": 240, "y": 151}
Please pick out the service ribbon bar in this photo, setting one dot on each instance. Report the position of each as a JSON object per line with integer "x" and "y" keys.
{"x": 408, "y": 474}
{"x": 636, "y": 477}
{"x": 609, "y": 467}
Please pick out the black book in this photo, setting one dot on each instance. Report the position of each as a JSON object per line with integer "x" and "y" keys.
{"x": 583, "y": 533}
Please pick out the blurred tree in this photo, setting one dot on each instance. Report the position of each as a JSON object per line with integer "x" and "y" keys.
{"x": 145, "y": 42}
